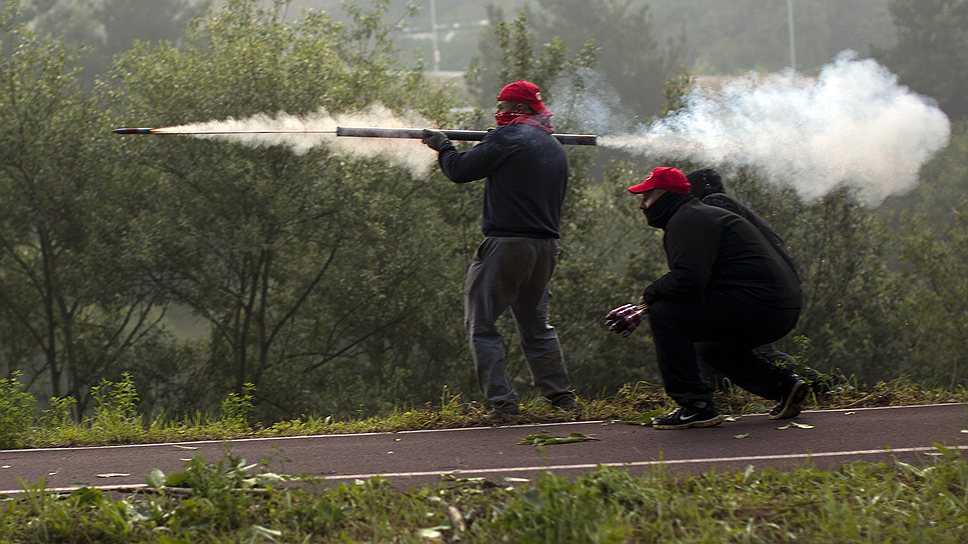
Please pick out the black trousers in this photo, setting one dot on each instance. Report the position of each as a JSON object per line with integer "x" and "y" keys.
{"x": 722, "y": 329}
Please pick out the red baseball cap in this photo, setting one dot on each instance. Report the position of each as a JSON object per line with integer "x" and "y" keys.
{"x": 663, "y": 177}
{"x": 524, "y": 91}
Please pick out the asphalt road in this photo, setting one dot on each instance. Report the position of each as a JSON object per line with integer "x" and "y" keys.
{"x": 825, "y": 439}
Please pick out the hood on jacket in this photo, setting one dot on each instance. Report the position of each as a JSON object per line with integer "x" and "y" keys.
{"x": 705, "y": 182}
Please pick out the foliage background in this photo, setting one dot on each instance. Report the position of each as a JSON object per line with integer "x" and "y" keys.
{"x": 332, "y": 283}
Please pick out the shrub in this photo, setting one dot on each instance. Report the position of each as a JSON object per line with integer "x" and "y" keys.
{"x": 16, "y": 411}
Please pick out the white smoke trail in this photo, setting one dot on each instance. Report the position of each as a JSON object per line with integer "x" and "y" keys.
{"x": 589, "y": 103}
{"x": 408, "y": 153}
{"x": 853, "y": 124}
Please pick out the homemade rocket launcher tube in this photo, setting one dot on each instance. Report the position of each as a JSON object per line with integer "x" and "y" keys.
{"x": 359, "y": 132}
{"x": 466, "y": 135}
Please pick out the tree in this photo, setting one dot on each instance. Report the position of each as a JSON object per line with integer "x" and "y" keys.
{"x": 628, "y": 54}
{"x": 935, "y": 271}
{"x": 312, "y": 270}
{"x": 64, "y": 275}
{"x": 602, "y": 34}
{"x": 743, "y": 35}
{"x": 930, "y": 53}
{"x": 513, "y": 56}
{"x": 103, "y": 29}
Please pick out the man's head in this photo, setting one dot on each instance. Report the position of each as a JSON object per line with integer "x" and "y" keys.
{"x": 705, "y": 182}
{"x": 522, "y": 93}
{"x": 504, "y": 106}
{"x": 664, "y": 179}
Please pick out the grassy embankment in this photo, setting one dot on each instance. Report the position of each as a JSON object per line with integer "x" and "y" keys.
{"x": 228, "y": 501}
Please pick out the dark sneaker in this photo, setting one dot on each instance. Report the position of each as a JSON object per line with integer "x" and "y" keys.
{"x": 789, "y": 405}
{"x": 685, "y": 417}
{"x": 564, "y": 401}
{"x": 569, "y": 404}
{"x": 502, "y": 418}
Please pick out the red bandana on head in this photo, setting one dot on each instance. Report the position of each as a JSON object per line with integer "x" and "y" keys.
{"x": 527, "y": 93}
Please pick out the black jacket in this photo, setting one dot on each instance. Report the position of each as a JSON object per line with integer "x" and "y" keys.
{"x": 710, "y": 249}
{"x": 722, "y": 200}
{"x": 707, "y": 185}
{"x": 527, "y": 175}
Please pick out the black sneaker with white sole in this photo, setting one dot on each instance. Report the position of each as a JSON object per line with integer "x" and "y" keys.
{"x": 685, "y": 417}
{"x": 789, "y": 405}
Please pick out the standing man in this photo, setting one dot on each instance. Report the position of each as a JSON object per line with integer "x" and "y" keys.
{"x": 727, "y": 291}
{"x": 527, "y": 173}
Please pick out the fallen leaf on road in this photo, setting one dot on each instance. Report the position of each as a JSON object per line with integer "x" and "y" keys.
{"x": 155, "y": 478}
{"x": 457, "y": 518}
{"x": 795, "y": 425}
{"x": 433, "y": 533}
{"x": 644, "y": 419}
{"x": 186, "y": 447}
{"x": 548, "y": 440}
{"x": 744, "y": 435}
{"x": 265, "y": 532}
{"x": 113, "y": 475}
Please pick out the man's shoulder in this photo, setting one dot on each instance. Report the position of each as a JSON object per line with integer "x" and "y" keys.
{"x": 701, "y": 208}
{"x": 696, "y": 212}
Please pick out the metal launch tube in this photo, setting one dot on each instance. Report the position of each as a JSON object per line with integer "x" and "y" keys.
{"x": 466, "y": 135}
{"x": 360, "y": 132}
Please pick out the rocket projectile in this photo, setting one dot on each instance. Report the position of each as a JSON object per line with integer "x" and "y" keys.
{"x": 197, "y": 132}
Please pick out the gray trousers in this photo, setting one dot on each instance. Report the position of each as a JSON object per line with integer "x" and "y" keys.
{"x": 515, "y": 273}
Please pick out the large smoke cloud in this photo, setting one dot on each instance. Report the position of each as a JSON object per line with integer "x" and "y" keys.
{"x": 852, "y": 124}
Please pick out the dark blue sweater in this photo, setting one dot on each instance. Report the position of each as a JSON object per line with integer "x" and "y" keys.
{"x": 527, "y": 174}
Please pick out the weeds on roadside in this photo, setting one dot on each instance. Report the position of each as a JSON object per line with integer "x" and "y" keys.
{"x": 116, "y": 418}
{"x": 237, "y": 408}
{"x": 116, "y": 411}
{"x": 230, "y": 502}
{"x": 16, "y": 412}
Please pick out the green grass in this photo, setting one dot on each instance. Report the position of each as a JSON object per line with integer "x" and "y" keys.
{"x": 223, "y": 502}
{"x": 116, "y": 420}
{"x": 226, "y": 502}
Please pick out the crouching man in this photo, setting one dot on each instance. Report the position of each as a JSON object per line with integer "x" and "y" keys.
{"x": 727, "y": 291}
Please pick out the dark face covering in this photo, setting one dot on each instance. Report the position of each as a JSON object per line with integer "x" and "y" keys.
{"x": 511, "y": 117}
{"x": 659, "y": 213}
